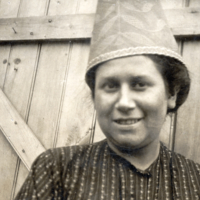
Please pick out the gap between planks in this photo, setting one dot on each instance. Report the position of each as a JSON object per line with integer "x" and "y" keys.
{"x": 29, "y": 100}
{"x": 63, "y": 94}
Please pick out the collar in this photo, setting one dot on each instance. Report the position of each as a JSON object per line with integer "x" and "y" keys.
{"x": 147, "y": 172}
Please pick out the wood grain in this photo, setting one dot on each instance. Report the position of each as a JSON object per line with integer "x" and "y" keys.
{"x": 29, "y": 56}
{"x": 46, "y": 28}
{"x": 50, "y": 81}
{"x": 77, "y": 107}
{"x": 87, "y": 7}
{"x": 183, "y": 22}
{"x": 8, "y": 156}
{"x": 77, "y": 112}
{"x": 33, "y": 8}
{"x": 20, "y": 70}
{"x": 62, "y": 7}
{"x": 9, "y": 9}
{"x": 194, "y": 3}
{"x": 20, "y": 82}
{"x": 47, "y": 94}
{"x": 188, "y": 128}
{"x": 171, "y": 4}
{"x": 17, "y": 132}
{"x": 4, "y": 56}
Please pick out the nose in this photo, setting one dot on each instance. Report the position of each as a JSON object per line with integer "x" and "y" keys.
{"x": 125, "y": 101}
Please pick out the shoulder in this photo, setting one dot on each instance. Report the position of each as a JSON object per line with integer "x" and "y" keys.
{"x": 185, "y": 164}
{"x": 182, "y": 164}
{"x": 63, "y": 155}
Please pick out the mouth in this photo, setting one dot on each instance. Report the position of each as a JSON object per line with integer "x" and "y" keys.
{"x": 127, "y": 121}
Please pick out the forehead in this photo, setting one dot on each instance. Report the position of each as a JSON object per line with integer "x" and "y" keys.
{"x": 132, "y": 66}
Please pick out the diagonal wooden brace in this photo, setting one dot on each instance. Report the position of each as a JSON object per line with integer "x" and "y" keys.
{"x": 17, "y": 132}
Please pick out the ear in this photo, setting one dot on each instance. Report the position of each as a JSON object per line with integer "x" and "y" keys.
{"x": 172, "y": 101}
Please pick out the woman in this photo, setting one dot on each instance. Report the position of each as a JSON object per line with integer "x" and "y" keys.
{"x": 135, "y": 83}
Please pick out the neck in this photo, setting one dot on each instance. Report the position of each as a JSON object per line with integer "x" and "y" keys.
{"x": 141, "y": 158}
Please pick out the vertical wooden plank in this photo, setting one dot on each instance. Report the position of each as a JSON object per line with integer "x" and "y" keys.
{"x": 30, "y": 8}
{"x": 7, "y": 155}
{"x": 9, "y": 9}
{"x": 77, "y": 112}
{"x": 49, "y": 84}
{"x": 18, "y": 83}
{"x": 194, "y": 3}
{"x": 7, "y": 167}
{"x": 21, "y": 76}
{"x": 4, "y": 55}
{"x": 167, "y": 132}
{"x": 20, "y": 71}
{"x": 62, "y": 7}
{"x": 88, "y": 6}
{"x": 75, "y": 118}
{"x": 169, "y": 4}
{"x": 47, "y": 92}
{"x": 188, "y": 128}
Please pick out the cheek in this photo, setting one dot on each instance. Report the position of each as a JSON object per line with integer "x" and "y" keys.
{"x": 155, "y": 105}
{"x": 104, "y": 103}
{"x": 102, "y": 106}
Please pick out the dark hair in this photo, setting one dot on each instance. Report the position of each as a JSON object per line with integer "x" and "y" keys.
{"x": 90, "y": 78}
{"x": 175, "y": 75}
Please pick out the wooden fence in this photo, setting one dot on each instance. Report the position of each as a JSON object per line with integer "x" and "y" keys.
{"x": 44, "y": 101}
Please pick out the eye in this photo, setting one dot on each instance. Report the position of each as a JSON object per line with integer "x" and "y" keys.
{"x": 139, "y": 85}
{"x": 110, "y": 86}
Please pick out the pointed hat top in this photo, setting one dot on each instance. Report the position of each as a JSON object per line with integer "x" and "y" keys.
{"x": 130, "y": 27}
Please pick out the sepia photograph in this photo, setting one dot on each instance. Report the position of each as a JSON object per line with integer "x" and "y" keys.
{"x": 99, "y": 99}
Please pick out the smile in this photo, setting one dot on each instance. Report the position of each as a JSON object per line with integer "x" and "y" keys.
{"x": 127, "y": 121}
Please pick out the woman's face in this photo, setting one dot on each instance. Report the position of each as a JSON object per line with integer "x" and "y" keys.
{"x": 131, "y": 101}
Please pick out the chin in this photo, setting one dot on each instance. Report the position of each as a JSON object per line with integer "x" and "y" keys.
{"x": 124, "y": 146}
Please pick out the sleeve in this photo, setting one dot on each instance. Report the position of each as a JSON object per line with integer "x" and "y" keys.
{"x": 44, "y": 180}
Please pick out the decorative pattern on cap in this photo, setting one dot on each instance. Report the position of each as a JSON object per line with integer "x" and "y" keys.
{"x": 134, "y": 51}
{"x": 130, "y": 27}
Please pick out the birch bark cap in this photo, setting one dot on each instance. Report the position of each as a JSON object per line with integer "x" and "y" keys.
{"x": 130, "y": 27}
